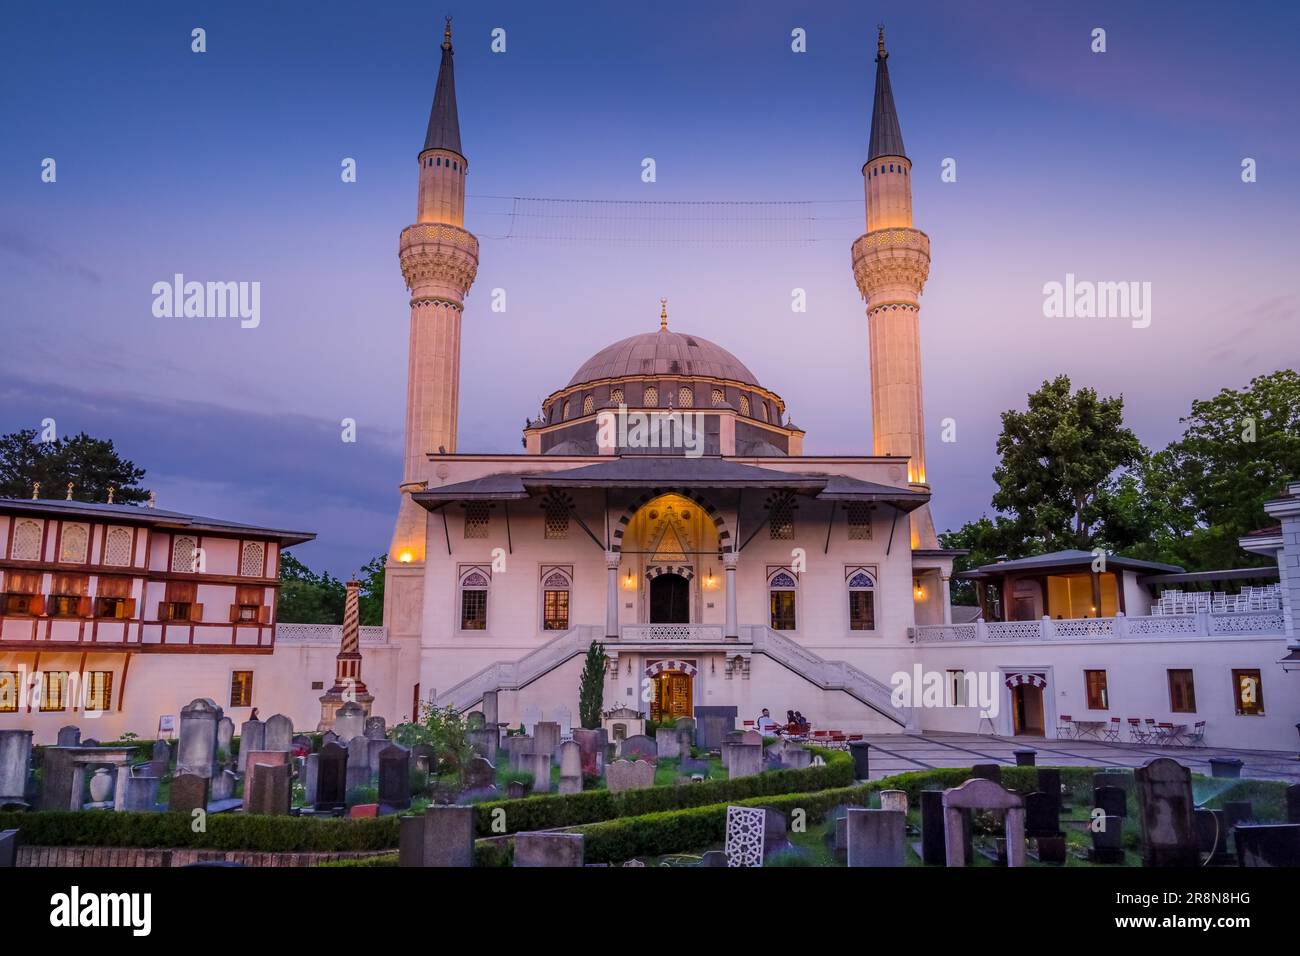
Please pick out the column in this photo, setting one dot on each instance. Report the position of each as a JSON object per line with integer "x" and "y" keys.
{"x": 947, "y": 598}
{"x": 611, "y": 595}
{"x": 729, "y": 560}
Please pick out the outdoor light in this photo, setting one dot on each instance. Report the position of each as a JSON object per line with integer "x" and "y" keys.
{"x": 710, "y": 582}
{"x": 405, "y": 557}
{"x": 917, "y": 589}
{"x": 629, "y": 582}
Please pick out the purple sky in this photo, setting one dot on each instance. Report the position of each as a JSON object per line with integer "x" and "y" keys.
{"x": 225, "y": 166}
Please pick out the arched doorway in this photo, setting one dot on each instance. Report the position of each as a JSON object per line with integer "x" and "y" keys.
{"x": 674, "y": 689}
{"x": 1027, "y": 710}
{"x": 670, "y": 599}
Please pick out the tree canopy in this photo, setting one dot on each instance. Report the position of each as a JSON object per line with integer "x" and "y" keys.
{"x": 310, "y": 598}
{"x": 92, "y": 465}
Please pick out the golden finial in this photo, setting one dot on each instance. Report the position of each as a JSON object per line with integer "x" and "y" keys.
{"x": 880, "y": 42}
{"x": 69, "y": 498}
{"x": 36, "y": 490}
{"x": 446, "y": 35}
{"x": 153, "y": 498}
{"x": 111, "y": 489}
{"x": 663, "y": 315}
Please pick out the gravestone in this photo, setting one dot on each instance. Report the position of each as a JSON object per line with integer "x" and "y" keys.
{"x": 358, "y": 762}
{"x": 491, "y": 713}
{"x": 474, "y": 720}
{"x": 350, "y": 722}
{"x": 160, "y": 760}
{"x": 443, "y": 836}
{"x": 840, "y": 841}
{"x": 15, "y": 765}
{"x": 395, "y": 777}
{"x": 686, "y": 725}
{"x": 331, "y": 778}
{"x": 1293, "y": 803}
{"x": 711, "y": 724}
{"x": 69, "y": 736}
{"x": 731, "y": 738}
{"x": 484, "y": 741}
{"x": 302, "y": 744}
{"x": 252, "y": 737}
{"x": 310, "y": 776}
{"x": 667, "y": 743}
{"x": 516, "y": 747}
{"x": 532, "y": 716}
{"x": 139, "y": 793}
{"x": 1212, "y": 836}
{"x": 592, "y": 744}
{"x": 713, "y": 858}
{"x": 1051, "y": 849}
{"x": 796, "y": 758}
{"x": 548, "y": 849}
{"x": 1049, "y": 782}
{"x": 198, "y": 744}
{"x": 189, "y": 792}
{"x": 546, "y": 738}
{"x": 1113, "y": 778}
{"x": 1268, "y": 844}
{"x": 1164, "y": 793}
{"x": 1112, "y": 800}
{"x": 932, "y": 839}
{"x": 225, "y": 734}
{"x": 516, "y": 789}
{"x": 8, "y": 849}
{"x": 479, "y": 774}
{"x": 753, "y": 835}
{"x": 564, "y": 717}
{"x": 329, "y": 737}
{"x": 983, "y": 794}
{"x": 894, "y": 800}
{"x": 745, "y": 760}
{"x": 638, "y": 745}
{"x": 570, "y": 767}
{"x": 623, "y": 775}
{"x": 1042, "y": 815}
{"x": 425, "y": 758}
{"x": 272, "y": 791}
{"x": 750, "y": 737}
{"x": 279, "y": 733}
{"x": 257, "y": 762}
{"x": 539, "y": 765}
{"x": 1107, "y": 840}
{"x": 987, "y": 771}
{"x": 860, "y": 750}
{"x": 376, "y": 728}
{"x": 373, "y": 749}
{"x": 692, "y": 766}
{"x": 875, "y": 837}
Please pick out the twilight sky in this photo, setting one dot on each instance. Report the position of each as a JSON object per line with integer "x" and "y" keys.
{"x": 1122, "y": 166}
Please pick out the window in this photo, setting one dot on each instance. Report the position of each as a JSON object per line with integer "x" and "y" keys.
{"x": 651, "y": 399}
{"x": 473, "y": 599}
{"x": 744, "y": 405}
{"x": 241, "y": 688}
{"x": 117, "y": 548}
{"x": 781, "y": 585}
{"x": 252, "y": 559}
{"x": 566, "y": 411}
{"x": 1096, "y": 685}
{"x": 956, "y": 681}
{"x": 9, "y": 692}
{"x": 685, "y": 397}
{"x": 99, "y": 691}
{"x": 68, "y": 596}
{"x": 556, "y": 584}
{"x": 862, "y": 601}
{"x": 184, "y": 554}
{"x": 859, "y": 519}
{"x": 762, "y": 410}
{"x": 476, "y": 519}
{"x": 27, "y": 540}
{"x": 780, "y": 518}
{"x": 588, "y": 404}
{"x": 113, "y": 597}
{"x": 249, "y": 606}
{"x": 179, "y": 604}
{"x": 54, "y": 690}
{"x": 718, "y": 397}
{"x": 556, "y": 509}
{"x": 616, "y": 396}
{"x": 1182, "y": 692}
{"x": 22, "y": 595}
{"x": 73, "y": 542}
{"x": 1248, "y": 693}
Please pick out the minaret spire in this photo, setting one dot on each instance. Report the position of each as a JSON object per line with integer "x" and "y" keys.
{"x": 886, "y": 137}
{"x": 444, "y": 123}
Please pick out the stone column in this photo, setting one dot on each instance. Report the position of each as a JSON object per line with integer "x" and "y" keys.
{"x": 729, "y": 561}
{"x": 947, "y": 598}
{"x": 611, "y": 595}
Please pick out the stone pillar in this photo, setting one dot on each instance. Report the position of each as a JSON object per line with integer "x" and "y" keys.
{"x": 729, "y": 562}
{"x": 947, "y": 598}
{"x": 611, "y": 594}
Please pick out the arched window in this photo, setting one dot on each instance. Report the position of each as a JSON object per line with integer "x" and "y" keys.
{"x": 651, "y": 399}
{"x": 762, "y": 410}
{"x": 72, "y": 543}
{"x": 588, "y": 404}
{"x": 616, "y": 396}
{"x": 27, "y": 540}
{"x": 117, "y": 547}
{"x": 744, "y": 405}
{"x": 184, "y": 552}
{"x": 565, "y": 416}
{"x": 252, "y": 559}
{"x": 862, "y": 600}
{"x": 474, "y": 583}
{"x": 685, "y": 397}
{"x": 556, "y": 584}
{"x": 782, "y": 586}
{"x": 438, "y": 161}
{"x": 718, "y": 397}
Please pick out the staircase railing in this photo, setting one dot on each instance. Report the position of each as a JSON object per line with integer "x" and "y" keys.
{"x": 512, "y": 675}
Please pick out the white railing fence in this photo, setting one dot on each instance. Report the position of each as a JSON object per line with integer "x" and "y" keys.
{"x": 325, "y": 634}
{"x": 670, "y": 633}
{"x": 1199, "y": 624}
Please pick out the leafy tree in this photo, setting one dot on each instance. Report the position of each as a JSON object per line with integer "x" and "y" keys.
{"x": 986, "y": 540}
{"x": 591, "y": 688}
{"x": 91, "y": 464}
{"x": 307, "y": 597}
{"x": 372, "y": 591}
{"x": 444, "y": 729}
{"x": 1057, "y": 476}
{"x": 1237, "y": 451}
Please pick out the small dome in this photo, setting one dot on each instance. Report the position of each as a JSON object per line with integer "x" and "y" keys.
{"x": 663, "y": 353}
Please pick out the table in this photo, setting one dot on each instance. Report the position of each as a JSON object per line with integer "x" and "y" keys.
{"x": 1088, "y": 728}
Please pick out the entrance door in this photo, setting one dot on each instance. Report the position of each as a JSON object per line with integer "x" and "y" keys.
{"x": 672, "y": 697}
{"x": 670, "y": 600}
{"x": 1027, "y": 710}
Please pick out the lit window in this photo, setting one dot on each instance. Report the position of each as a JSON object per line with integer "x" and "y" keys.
{"x": 27, "y": 541}
{"x": 1098, "y": 698}
{"x": 781, "y": 588}
{"x": 862, "y": 601}
{"x": 651, "y": 399}
{"x": 99, "y": 691}
{"x": 476, "y": 519}
{"x": 686, "y": 397}
{"x": 249, "y": 606}
{"x": 555, "y": 601}
{"x": 68, "y": 596}
{"x": 616, "y": 396}
{"x": 72, "y": 544}
{"x": 859, "y": 514}
{"x": 179, "y": 603}
{"x": 744, "y": 405}
{"x": 241, "y": 688}
{"x": 22, "y": 593}
{"x": 113, "y": 597}
{"x": 1182, "y": 691}
{"x": 718, "y": 397}
{"x": 473, "y": 600}
{"x": 1248, "y": 693}
{"x": 54, "y": 690}
{"x": 588, "y": 404}
{"x": 9, "y": 692}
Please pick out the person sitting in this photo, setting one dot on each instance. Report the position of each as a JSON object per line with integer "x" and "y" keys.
{"x": 801, "y": 722}
{"x": 765, "y": 722}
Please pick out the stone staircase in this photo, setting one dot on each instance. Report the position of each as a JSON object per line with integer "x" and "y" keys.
{"x": 515, "y": 675}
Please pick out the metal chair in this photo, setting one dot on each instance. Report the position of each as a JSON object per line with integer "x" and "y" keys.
{"x": 1112, "y": 732}
{"x": 1135, "y": 732}
{"x": 1065, "y": 727}
{"x": 1197, "y": 736}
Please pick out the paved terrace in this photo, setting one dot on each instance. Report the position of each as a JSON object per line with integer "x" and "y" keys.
{"x": 898, "y": 753}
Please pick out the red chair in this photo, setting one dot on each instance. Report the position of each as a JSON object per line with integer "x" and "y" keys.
{"x": 1065, "y": 727}
{"x": 1135, "y": 732}
{"x": 1112, "y": 732}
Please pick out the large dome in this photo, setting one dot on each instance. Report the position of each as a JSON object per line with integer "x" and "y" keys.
{"x": 663, "y": 353}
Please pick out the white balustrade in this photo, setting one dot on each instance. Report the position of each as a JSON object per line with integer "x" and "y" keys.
{"x": 1120, "y": 627}
{"x": 670, "y": 633}
{"x": 325, "y": 634}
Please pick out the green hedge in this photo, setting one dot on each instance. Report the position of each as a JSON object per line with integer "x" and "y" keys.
{"x": 590, "y": 806}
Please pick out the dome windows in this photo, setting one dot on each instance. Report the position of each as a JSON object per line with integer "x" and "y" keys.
{"x": 651, "y": 399}
{"x": 718, "y": 397}
{"x": 685, "y": 397}
{"x": 744, "y": 405}
{"x": 588, "y": 404}
{"x": 616, "y": 396}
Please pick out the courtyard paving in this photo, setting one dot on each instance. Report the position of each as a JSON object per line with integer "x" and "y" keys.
{"x": 899, "y": 753}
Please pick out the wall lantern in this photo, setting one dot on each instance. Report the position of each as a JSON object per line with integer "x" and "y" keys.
{"x": 405, "y": 557}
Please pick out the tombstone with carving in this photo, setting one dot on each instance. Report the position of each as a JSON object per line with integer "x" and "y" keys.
{"x": 753, "y": 835}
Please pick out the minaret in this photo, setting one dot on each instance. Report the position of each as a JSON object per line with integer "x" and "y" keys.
{"x": 891, "y": 263}
{"x": 439, "y": 260}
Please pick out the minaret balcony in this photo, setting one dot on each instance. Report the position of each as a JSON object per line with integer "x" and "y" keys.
{"x": 895, "y": 238}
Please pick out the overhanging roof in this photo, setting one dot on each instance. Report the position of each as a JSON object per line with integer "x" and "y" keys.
{"x": 1067, "y": 560}
{"x": 646, "y": 471}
